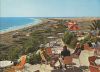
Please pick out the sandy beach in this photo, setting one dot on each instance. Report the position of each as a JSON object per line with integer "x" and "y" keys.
{"x": 18, "y": 28}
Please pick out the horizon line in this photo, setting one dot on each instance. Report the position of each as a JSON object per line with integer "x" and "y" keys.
{"x": 57, "y": 17}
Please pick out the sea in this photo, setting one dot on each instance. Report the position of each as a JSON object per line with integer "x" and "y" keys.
{"x": 14, "y": 23}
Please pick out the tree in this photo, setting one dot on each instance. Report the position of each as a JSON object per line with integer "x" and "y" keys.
{"x": 70, "y": 39}
{"x": 95, "y": 25}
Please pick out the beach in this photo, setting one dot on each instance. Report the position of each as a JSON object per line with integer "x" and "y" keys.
{"x": 20, "y": 27}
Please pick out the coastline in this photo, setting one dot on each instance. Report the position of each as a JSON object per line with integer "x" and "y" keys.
{"x": 14, "y": 28}
{"x": 43, "y": 20}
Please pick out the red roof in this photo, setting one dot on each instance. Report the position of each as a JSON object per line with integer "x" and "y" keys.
{"x": 72, "y": 26}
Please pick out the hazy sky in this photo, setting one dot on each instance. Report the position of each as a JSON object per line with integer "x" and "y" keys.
{"x": 50, "y": 8}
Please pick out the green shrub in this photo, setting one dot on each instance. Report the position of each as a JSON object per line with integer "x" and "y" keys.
{"x": 70, "y": 39}
{"x": 35, "y": 58}
{"x": 67, "y": 38}
{"x": 89, "y": 39}
{"x": 73, "y": 42}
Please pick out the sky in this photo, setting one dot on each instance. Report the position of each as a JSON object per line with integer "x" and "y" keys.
{"x": 49, "y": 8}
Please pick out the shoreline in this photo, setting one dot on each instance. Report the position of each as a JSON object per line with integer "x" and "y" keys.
{"x": 42, "y": 20}
{"x": 12, "y": 29}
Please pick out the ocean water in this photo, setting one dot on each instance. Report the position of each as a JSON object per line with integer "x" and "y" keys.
{"x": 14, "y": 23}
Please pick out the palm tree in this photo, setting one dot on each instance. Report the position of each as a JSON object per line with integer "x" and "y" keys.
{"x": 95, "y": 25}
